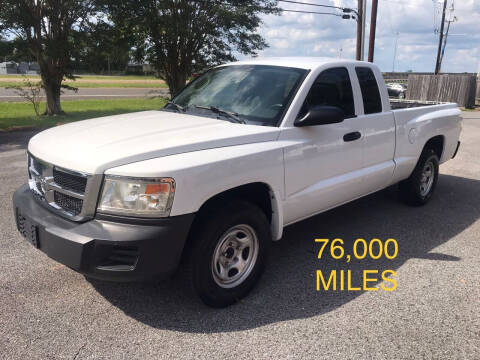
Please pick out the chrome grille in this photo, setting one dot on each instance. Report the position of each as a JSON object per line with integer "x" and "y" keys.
{"x": 69, "y": 203}
{"x": 69, "y": 181}
{"x": 72, "y": 194}
{"x": 37, "y": 165}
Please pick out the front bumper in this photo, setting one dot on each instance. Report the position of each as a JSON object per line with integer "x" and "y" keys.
{"x": 109, "y": 248}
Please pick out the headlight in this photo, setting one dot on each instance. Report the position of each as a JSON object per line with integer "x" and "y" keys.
{"x": 137, "y": 197}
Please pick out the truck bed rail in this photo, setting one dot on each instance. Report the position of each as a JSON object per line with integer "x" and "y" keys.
{"x": 404, "y": 104}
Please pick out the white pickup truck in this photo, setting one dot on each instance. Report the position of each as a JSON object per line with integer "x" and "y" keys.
{"x": 243, "y": 151}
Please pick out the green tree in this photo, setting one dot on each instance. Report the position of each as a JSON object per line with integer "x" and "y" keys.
{"x": 101, "y": 49}
{"x": 183, "y": 36}
{"x": 46, "y": 27}
{"x": 21, "y": 51}
{"x": 15, "y": 50}
{"x": 6, "y": 49}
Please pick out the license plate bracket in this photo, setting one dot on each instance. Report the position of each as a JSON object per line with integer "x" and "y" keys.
{"x": 28, "y": 230}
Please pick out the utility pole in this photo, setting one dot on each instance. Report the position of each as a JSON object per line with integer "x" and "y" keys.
{"x": 437, "y": 66}
{"x": 373, "y": 28}
{"x": 395, "y": 51}
{"x": 360, "y": 17}
{"x": 449, "y": 21}
{"x": 364, "y": 23}
{"x": 445, "y": 43}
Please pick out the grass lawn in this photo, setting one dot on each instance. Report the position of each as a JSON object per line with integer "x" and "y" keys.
{"x": 21, "y": 114}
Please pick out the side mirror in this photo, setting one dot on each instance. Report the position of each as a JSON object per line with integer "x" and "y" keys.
{"x": 321, "y": 115}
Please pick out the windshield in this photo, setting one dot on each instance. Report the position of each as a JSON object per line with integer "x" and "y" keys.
{"x": 255, "y": 94}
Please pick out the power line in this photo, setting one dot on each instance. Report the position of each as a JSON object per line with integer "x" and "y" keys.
{"x": 312, "y": 12}
{"x": 311, "y": 4}
{"x": 343, "y": 16}
{"x": 344, "y": 9}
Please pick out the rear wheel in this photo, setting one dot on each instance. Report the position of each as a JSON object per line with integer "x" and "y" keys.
{"x": 419, "y": 187}
{"x": 229, "y": 253}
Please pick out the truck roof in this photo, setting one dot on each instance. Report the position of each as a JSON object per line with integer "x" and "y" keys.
{"x": 308, "y": 63}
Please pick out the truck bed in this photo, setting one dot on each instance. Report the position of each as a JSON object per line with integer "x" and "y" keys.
{"x": 426, "y": 119}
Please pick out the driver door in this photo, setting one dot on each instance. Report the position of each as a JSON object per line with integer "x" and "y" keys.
{"x": 323, "y": 163}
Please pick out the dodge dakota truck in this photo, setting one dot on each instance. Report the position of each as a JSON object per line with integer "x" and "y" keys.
{"x": 212, "y": 179}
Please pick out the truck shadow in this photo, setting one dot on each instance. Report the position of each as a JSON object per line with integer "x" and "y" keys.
{"x": 287, "y": 289}
{"x": 15, "y": 140}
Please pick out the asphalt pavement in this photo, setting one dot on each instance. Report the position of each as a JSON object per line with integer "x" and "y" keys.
{"x": 49, "y": 311}
{"x": 94, "y": 93}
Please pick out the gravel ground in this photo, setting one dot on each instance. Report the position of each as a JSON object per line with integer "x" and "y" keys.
{"x": 49, "y": 311}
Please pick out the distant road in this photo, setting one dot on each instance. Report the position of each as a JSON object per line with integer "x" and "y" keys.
{"x": 94, "y": 93}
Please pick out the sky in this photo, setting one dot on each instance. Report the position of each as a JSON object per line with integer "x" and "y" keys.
{"x": 295, "y": 34}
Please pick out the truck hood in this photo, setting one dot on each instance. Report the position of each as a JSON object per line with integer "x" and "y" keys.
{"x": 93, "y": 146}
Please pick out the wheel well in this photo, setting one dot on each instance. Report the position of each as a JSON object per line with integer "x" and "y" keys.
{"x": 256, "y": 193}
{"x": 436, "y": 144}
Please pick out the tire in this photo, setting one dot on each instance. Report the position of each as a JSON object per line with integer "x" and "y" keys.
{"x": 221, "y": 237}
{"x": 401, "y": 95}
{"x": 419, "y": 187}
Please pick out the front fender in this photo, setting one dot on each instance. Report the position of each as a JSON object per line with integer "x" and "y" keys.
{"x": 200, "y": 175}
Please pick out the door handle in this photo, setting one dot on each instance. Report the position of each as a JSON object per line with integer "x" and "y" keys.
{"x": 352, "y": 136}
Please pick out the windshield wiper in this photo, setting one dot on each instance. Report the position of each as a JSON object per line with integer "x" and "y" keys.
{"x": 178, "y": 107}
{"x": 231, "y": 115}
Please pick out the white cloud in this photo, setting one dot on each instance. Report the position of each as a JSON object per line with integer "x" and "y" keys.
{"x": 294, "y": 34}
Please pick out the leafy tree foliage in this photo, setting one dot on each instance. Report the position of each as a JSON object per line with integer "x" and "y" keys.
{"x": 46, "y": 27}
{"x": 180, "y": 37}
{"x": 15, "y": 50}
{"x": 102, "y": 49}
{"x": 6, "y": 49}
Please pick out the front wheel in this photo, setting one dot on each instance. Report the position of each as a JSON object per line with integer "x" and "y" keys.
{"x": 229, "y": 255}
{"x": 418, "y": 188}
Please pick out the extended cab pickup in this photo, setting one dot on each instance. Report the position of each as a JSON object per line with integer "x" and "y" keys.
{"x": 243, "y": 151}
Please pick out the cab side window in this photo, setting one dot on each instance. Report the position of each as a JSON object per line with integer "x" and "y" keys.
{"x": 333, "y": 88}
{"x": 372, "y": 102}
